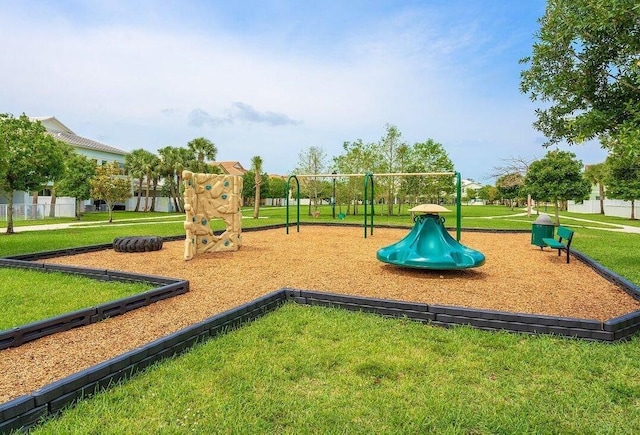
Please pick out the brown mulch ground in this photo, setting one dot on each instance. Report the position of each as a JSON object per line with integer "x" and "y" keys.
{"x": 516, "y": 277}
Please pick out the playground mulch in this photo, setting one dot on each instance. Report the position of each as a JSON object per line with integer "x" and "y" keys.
{"x": 517, "y": 277}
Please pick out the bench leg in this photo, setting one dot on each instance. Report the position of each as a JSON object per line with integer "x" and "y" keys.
{"x": 567, "y": 255}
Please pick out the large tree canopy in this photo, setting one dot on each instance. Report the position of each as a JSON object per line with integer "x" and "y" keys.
{"x": 75, "y": 180}
{"x": 585, "y": 68}
{"x": 623, "y": 176}
{"x": 30, "y": 158}
{"x": 557, "y": 177}
{"x": 110, "y": 186}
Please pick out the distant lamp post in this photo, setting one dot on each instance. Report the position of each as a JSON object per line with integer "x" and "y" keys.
{"x": 333, "y": 197}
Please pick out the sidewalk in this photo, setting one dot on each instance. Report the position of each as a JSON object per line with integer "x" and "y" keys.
{"x": 119, "y": 222}
{"x": 614, "y": 227}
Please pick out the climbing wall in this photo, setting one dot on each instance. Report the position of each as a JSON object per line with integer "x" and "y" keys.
{"x": 206, "y": 197}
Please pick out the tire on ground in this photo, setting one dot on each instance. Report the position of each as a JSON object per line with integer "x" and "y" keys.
{"x": 137, "y": 244}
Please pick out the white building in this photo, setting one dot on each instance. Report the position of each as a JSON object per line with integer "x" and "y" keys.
{"x": 65, "y": 206}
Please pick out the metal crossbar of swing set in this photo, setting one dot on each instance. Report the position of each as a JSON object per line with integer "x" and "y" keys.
{"x": 368, "y": 179}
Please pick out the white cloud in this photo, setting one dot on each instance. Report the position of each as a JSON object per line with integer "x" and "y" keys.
{"x": 159, "y": 79}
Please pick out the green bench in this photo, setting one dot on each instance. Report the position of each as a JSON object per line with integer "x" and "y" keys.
{"x": 565, "y": 234}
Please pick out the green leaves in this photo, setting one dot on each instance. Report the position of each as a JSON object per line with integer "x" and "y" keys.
{"x": 585, "y": 64}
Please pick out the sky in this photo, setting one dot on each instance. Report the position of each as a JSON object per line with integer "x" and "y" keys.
{"x": 276, "y": 77}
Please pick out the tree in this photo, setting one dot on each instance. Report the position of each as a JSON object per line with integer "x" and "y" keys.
{"x": 30, "y": 158}
{"x": 110, "y": 186}
{"x": 623, "y": 176}
{"x": 134, "y": 167}
{"x": 312, "y": 161}
{"x": 488, "y": 193}
{"x": 596, "y": 175}
{"x": 509, "y": 186}
{"x": 150, "y": 165}
{"x": 249, "y": 187}
{"x": 276, "y": 190}
{"x": 156, "y": 175}
{"x": 358, "y": 158}
{"x": 430, "y": 156}
{"x": 390, "y": 148}
{"x": 584, "y": 68}
{"x": 557, "y": 177}
{"x": 471, "y": 195}
{"x": 256, "y": 166}
{"x": 75, "y": 180}
{"x": 174, "y": 160}
{"x": 203, "y": 149}
{"x": 514, "y": 165}
{"x": 67, "y": 152}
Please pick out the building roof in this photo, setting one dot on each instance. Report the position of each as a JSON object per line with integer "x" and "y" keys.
{"x": 231, "y": 168}
{"x": 60, "y": 131}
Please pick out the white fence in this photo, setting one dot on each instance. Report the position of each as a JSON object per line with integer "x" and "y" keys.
{"x": 39, "y": 211}
{"x": 612, "y": 207}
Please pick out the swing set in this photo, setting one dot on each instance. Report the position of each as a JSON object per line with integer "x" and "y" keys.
{"x": 369, "y": 194}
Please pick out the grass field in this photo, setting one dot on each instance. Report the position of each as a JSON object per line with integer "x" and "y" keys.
{"x": 304, "y": 369}
{"x": 28, "y": 295}
{"x": 314, "y": 370}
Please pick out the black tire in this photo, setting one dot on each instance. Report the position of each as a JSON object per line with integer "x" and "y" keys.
{"x": 137, "y": 244}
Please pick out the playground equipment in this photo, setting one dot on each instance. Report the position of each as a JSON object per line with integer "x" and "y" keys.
{"x": 208, "y": 196}
{"x": 429, "y": 246}
{"x": 369, "y": 194}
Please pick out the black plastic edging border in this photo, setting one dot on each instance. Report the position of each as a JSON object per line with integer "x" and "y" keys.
{"x": 491, "y": 320}
{"x": 25, "y": 411}
{"x": 167, "y": 288}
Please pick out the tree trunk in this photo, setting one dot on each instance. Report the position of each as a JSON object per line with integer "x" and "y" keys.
{"x": 153, "y": 199}
{"x": 601, "y": 194}
{"x": 110, "y": 208}
{"x": 557, "y": 203}
{"x": 10, "y": 211}
{"x": 256, "y": 206}
{"x": 34, "y": 205}
{"x": 146, "y": 195}
{"x": 52, "y": 209}
{"x": 139, "y": 195}
{"x": 633, "y": 209}
{"x": 178, "y": 196}
{"x": 78, "y": 208}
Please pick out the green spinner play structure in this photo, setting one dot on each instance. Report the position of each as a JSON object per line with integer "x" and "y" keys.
{"x": 427, "y": 246}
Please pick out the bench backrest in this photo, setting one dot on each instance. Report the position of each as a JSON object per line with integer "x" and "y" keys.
{"x": 565, "y": 233}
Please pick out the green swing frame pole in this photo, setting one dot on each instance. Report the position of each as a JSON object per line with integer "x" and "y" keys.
{"x": 368, "y": 177}
{"x": 458, "y": 205}
{"x": 287, "y": 192}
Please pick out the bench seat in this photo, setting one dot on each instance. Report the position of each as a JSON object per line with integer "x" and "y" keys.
{"x": 565, "y": 234}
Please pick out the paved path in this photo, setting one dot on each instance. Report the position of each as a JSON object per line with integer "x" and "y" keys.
{"x": 119, "y": 222}
{"x": 604, "y": 226}
{"x": 607, "y": 226}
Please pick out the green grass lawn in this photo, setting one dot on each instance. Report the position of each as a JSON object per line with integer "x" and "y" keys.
{"x": 27, "y": 296}
{"x": 315, "y": 370}
{"x": 304, "y": 369}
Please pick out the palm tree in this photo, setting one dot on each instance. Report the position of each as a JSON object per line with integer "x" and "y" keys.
{"x": 134, "y": 166}
{"x": 256, "y": 167}
{"x": 203, "y": 148}
{"x": 148, "y": 162}
{"x": 167, "y": 170}
{"x": 155, "y": 174}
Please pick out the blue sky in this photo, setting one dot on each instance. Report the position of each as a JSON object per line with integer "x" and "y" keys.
{"x": 275, "y": 77}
